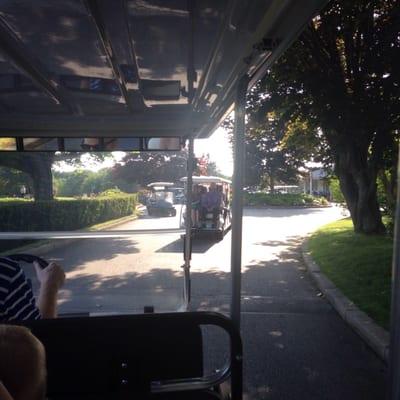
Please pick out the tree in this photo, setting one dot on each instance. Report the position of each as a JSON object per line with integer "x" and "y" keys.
{"x": 204, "y": 166}
{"x": 272, "y": 163}
{"x": 342, "y": 79}
{"x": 146, "y": 167}
{"x": 12, "y": 180}
{"x": 387, "y": 179}
{"x": 37, "y": 166}
{"x": 274, "y": 151}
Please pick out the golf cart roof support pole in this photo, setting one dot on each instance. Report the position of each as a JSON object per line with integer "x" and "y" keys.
{"x": 394, "y": 349}
{"x": 237, "y": 197}
{"x": 188, "y": 220}
{"x": 105, "y": 40}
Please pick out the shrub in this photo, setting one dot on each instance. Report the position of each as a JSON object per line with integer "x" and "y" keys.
{"x": 64, "y": 214}
{"x": 13, "y": 199}
{"x": 283, "y": 200}
{"x": 112, "y": 193}
{"x": 336, "y": 192}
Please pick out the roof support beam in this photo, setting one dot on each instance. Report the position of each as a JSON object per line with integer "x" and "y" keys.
{"x": 169, "y": 123}
{"x": 105, "y": 39}
{"x": 21, "y": 57}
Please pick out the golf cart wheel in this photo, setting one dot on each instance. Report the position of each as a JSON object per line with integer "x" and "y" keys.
{"x": 173, "y": 213}
{"x": 219, "y": 235}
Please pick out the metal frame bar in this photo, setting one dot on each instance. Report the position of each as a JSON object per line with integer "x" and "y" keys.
{"x": 393, "y": 392}
{"x": 232, "y": 369}
{"x": 98, "y": 18}
{"x": 130, "y": 34}
{"x": 24, "y": 61}
{"x": 188, "y": 223}
{"x": 237, "y": 197}
{"x": 191, "y": 71}
{"x": 84, "y": 234}
{"x": 214, "y": 59}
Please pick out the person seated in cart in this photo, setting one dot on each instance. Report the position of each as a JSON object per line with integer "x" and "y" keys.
{"x": 16, "y": 298}
{"x": 22, "y": 365}
{"x": 224, "y": 200}
{"x": 197, "y": 193}
{"x": 211, "y": 202}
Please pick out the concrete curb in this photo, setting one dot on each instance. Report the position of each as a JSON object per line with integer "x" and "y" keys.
{"x": 287, "y": 207}
{"x": 375, "y": 336}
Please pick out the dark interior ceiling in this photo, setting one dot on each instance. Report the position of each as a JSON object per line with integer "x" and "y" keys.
{"x": 135, "y": 67}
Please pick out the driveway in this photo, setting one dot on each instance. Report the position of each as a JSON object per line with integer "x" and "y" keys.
{"x": 295, "y": 345}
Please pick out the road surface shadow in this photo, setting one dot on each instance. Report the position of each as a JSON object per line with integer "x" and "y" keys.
{"x": 291, "y": 243}
{"x": 199, "y": 245}
{"x": 293, "y": 340}
{"x": 87, "y": 250}
{"x": 295, "y": 345}
{"x": 281, "y": 212}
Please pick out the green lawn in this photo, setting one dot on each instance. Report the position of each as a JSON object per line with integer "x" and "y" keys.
{"x": 359, "y": 265}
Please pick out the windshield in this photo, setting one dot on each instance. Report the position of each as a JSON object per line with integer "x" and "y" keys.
{"x": 166, "y": 196}
{"x": 88, "y": 212}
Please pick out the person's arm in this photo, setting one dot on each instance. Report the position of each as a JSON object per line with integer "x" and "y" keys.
{"x": 16, "y": 298}
{"x": 221, "y": 201}
{"x": 51, "y": 279}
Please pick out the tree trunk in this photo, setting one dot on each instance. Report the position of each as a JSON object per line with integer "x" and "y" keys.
{"x": 358, "y": 184}
{"x": 271, "y": 184}
{"x": 42, "y": 179}
{"x": 37, "y": 166}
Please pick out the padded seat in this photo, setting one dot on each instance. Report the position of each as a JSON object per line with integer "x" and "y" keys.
{"x": 117, "y": 357}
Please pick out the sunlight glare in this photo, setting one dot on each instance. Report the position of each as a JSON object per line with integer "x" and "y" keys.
{"x": 219, "y": 149}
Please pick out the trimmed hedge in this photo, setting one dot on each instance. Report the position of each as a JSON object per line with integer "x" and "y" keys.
{"x": 280, "y": 199}
{"x": 64, "y": 214}
{"x": 13, "y": 200}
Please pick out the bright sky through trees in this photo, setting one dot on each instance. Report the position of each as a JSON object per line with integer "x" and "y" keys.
{"x": 219, "y": 148}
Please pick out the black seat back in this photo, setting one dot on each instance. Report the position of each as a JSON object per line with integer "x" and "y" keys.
{"x": 107, "y": 355}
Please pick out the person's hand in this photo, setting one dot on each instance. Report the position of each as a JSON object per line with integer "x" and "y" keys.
{"x": 52, "y": 276}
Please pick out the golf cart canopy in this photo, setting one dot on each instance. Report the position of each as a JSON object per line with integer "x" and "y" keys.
{"x": 160, "y": 185}
{"x": 206, "y": 179}
{"x": 134, "y": 68}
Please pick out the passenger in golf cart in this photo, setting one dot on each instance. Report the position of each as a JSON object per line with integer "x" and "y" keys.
{"x": 210, "y": 205}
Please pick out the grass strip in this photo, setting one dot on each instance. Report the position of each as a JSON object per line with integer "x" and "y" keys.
{"x": 359, "y": 265}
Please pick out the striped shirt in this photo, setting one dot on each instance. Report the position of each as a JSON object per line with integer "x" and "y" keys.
{"x": 16, "y": 298}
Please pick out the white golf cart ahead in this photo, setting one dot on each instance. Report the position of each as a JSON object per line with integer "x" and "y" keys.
{"x": 161, "y": 200}
{"x": 209, "y": 221}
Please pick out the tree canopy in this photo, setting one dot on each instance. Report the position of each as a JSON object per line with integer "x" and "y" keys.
{"x": 146, "y": 167}
{"x": 275, "y": 163}
{"x": 340, "y": 81}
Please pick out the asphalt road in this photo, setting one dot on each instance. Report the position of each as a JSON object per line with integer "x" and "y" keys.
{"x": 295, "y": 345}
